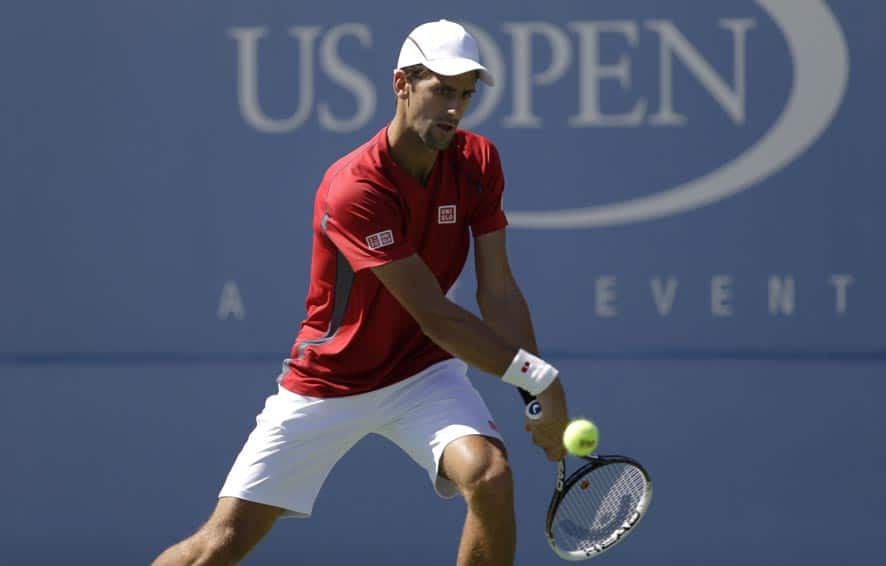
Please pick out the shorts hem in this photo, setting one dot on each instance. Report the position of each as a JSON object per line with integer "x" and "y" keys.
{"x": 290, "y": 509}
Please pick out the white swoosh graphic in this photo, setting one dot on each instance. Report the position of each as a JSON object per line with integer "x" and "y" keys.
{"x": 821, "y": 73}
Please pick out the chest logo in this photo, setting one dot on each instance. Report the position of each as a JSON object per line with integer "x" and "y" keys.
{"x": 380, "y": 240}
{"x": 446, "y": 214}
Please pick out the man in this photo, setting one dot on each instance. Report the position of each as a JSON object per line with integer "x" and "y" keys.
{"x": 381, "y": 348}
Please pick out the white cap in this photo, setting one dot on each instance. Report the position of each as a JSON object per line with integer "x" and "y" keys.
{"x": 445, "y": 48}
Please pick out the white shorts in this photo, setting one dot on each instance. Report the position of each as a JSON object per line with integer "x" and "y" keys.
{"x": 297, "y": 439}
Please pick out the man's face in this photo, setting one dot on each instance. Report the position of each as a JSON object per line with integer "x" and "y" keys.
{"x": 436, "y": 104}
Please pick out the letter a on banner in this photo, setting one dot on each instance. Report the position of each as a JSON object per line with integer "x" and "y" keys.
{"x": 231, "y": 304}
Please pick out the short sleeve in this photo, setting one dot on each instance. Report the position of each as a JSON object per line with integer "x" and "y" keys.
{"x": 488, "y": 216}
{"x": 365, "y": 223}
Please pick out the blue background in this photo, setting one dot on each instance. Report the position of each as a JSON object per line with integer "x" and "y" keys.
{"x": 132, "y": 189}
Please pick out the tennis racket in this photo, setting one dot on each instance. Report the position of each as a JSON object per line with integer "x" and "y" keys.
{"x": 598, "y": 505}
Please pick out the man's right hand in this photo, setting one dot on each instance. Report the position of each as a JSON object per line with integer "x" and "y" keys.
{"x": 547, "y": 432}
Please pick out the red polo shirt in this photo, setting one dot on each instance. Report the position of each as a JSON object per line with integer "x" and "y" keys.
{"x": 368, "y": 212}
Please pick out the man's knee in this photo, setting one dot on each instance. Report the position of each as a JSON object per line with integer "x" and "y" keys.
{"x": 490, "y": 486}
{"x": 479, "y": 468}
{"x": 493, "y": 482}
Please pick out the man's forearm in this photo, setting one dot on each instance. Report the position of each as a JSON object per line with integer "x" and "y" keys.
{"x": 462, "y": 334}
{"x": 508, "y": 314}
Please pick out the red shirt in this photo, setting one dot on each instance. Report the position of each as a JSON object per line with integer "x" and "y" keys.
{"x": 368, "y": 212}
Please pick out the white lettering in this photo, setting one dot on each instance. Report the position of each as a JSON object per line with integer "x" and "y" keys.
{"x": 591, "y": 72}
{"x": 664, "y": 295}
{"x": 561, "y": 58}
{"x": 248, "y": 79}
{"x": 348, "y": 77}
{"x": 721, "y": 293}
{"x": 230, "y": 304}
{"x": 604, "y": 305}
{"x": 781, "y": 295}
{"x": 841, "y": 282}
{"x": 526, "y": 73}
{"x": 672, "y": 42}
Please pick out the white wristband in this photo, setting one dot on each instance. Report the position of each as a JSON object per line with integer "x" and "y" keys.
{"x": 530, "y": 373}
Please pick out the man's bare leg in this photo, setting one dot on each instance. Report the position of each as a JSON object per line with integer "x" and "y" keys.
{"x": 234, "y": 528}
{"x": 479, "y": 467}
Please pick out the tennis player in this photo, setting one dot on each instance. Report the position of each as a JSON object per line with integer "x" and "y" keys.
{"x": 382, "y": 349}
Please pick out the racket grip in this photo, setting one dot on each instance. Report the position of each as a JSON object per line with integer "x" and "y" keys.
{"x": 533, "y": 407}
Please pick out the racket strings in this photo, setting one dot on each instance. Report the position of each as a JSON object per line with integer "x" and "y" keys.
{"x": 598, "y": 506}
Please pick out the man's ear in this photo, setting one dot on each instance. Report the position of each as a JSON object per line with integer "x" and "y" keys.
{"x": 400, "y": 84}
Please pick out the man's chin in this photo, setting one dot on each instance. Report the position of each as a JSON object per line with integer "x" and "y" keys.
{"x": 437, "y": 143}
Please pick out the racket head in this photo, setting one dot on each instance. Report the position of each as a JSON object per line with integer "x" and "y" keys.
{"x": 597, "y": 506}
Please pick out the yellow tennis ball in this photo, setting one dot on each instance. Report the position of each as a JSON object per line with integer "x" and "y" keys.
{"x": 580, "y": 437}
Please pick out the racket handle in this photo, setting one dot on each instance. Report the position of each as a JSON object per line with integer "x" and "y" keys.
{"x": 533, "y": 407}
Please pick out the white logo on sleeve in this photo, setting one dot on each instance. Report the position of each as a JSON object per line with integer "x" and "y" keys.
{"x": 446, "y": 214}
{"x": 380, "y": 240}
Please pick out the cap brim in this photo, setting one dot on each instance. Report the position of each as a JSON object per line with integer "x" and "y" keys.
{"x": 458, "y": 66}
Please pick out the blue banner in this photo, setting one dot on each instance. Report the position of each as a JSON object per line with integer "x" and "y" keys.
{"x": 695, "y": 199}
{"x": 680, "y": 178}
